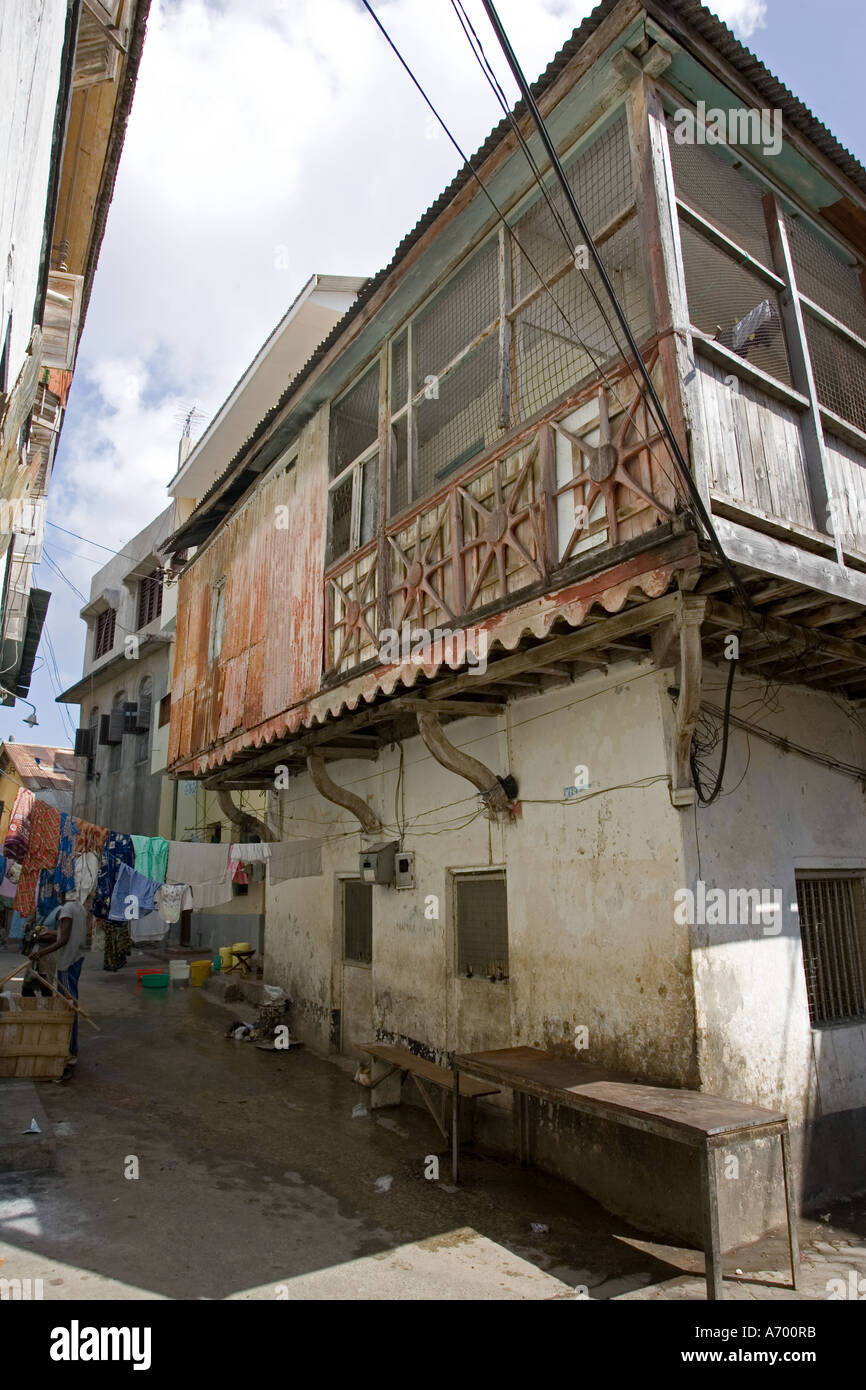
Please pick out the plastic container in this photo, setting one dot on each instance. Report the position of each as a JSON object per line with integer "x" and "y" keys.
{"x": 147, "y": 970}
{"x": 227, "y": 957}
{"x": 199, "y": 971}
{"x": 155, "y": 979}
{"x": 217, "y": 964}
{"x": 178, "y": 970}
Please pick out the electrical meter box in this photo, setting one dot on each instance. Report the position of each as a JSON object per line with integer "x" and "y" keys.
{"x": 377, "y": 862}
{"x": 405, "y": 869}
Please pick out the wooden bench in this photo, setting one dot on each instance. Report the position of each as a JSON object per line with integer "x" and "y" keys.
{"x": 703, "y": 1122}
{"x": 400, "y": 1059}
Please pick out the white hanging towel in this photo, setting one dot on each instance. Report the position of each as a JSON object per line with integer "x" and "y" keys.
{"x": 204, "y": 867}
{"x": 253, "y": 853}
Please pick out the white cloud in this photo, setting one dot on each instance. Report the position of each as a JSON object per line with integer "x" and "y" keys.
{"x": 743, "y": 16}
{"x": 272, "y": 124}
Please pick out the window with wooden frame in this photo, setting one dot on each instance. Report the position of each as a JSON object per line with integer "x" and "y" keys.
{"x": 149, "y": 597}
{"x": 832, "y": 912}
{"x": 515, "y": 327}
{"x": 143, "y": 714}
{"x": 357, "y": 922}
{"x": 747, "y": 253}
{"x": 353, "y": 466}
{"x": 481, "y": 924}
{"x": 104, "y": 638}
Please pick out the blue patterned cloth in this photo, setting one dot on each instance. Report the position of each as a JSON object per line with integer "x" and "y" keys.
{"x": 47, "y": 897}
{"x": 54, "y": 883}
{"x": 118, "y": 850}
{"x": 130, "y": 884}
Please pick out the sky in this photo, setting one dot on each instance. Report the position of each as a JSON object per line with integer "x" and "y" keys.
{"x": 269, "y": 141}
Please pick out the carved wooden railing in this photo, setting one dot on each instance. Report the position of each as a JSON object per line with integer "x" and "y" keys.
{"x": 594, "y": 476}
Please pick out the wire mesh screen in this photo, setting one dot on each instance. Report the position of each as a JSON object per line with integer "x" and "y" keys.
{"x": 723, "y": 194}
{"x": 354, "y": 421}
{"x": 340, "y": 519}
{"x": 561, "y": 334}
{"x": 482, "y": 925}
{"x": 732, "y": 304}
{"x": 460, "y": 418}
{"x": 833, "y": 929}
{"x": 840, "y": 372}
{"x": 825, "y": 278}
{"x": 468, "y": 304}
{"x": 357, "y": 922}
{"x": 562, "y": 337}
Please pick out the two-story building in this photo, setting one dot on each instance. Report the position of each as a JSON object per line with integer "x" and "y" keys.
{"x": 461, "y": 593}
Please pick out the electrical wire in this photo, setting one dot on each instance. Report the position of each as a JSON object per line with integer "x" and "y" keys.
{"x": 707, "y": 797}
{"x": 581, "y": 342}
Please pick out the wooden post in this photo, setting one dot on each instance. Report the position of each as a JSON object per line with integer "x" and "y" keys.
{"x": 710, "y": 1203}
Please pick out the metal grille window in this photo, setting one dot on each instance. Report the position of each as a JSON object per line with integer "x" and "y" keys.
{"x": 149, "y": 598}
{"x": 357, "y": 921}
{"x": 481, "y": 924}
{"x": 833, "y": 283}
{"x": 354, "y": 466}
{"x": 833, "y": 928}
{"x": 104, "y": 632}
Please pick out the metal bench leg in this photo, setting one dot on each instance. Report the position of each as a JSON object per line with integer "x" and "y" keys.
{"x": 790, "y": 1207}
{"x": 455, "y": 1127}
{"x": 710, "y": 1198}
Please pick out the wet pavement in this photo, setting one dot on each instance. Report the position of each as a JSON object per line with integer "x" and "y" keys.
{"x": 264, "y": 1175}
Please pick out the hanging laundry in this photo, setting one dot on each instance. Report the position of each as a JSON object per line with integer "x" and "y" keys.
{"x": 41, "y": 853}
{"x": 118, "y": 850}
{"x": 2, "y": 867}
{"x": 254, "y": 853}
{"x": 130, "y": 884}
{"x": 172, "y": 900}
{"x": 204, "y": 867}
{"x": 151, "y": 856}
{"x": 118, "y": 945}
{"x": 47, "y": 897}
{"x": 148, "y": 928}
{"x": 90, "y": 838}
{"x": 86, "y": 871}
{"x": 8, "y": 889}
{"x": 18, "y": 834}
{"x": 64, "y": 869}
{"x": 239, "y": 873}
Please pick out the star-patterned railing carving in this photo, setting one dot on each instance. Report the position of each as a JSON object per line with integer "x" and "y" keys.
{"x": 505, "y": 527}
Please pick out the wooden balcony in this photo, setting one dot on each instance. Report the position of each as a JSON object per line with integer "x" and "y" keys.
{"x": 574, "y": 487}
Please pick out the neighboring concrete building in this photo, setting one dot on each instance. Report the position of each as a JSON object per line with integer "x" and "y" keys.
{"x": 461, "y": 511}
{"x": 126, "y": 675}
{"x": 45, "y": 771}
{"x": 67, "y": 72}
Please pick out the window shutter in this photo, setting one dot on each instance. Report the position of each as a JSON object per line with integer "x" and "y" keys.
{"x": 130, "y": 717}
{"x": 116, "y": 725}
{"x": 104, "y": 728}
{"x": 83, "y": 743}
{"x": 145, "y": 703}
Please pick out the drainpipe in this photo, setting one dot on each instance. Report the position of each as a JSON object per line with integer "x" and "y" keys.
{"x": 492, "y": 791}
{"x": 245, "y": 819}
{"x": 341, "y": 796}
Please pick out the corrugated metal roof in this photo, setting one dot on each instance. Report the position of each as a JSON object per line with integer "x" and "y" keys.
{"x": 41, "y": 766}
{"x": 707, "y": 27}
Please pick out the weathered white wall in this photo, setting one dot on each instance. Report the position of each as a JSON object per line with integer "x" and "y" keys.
{"x": 755, "y": 1041}
{"x": 592, "y": 939}
{"x": 31, "y": 47}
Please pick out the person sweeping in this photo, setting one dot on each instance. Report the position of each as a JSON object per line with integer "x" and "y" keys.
{"x": 68, "y": 943}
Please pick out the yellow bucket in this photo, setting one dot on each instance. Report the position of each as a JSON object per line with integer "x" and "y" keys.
{"x": 227, "y": 957}
{"x": 199, "y": 971}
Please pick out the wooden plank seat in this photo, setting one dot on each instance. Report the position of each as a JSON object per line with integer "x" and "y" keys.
{"x": 399, "y": 1059}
